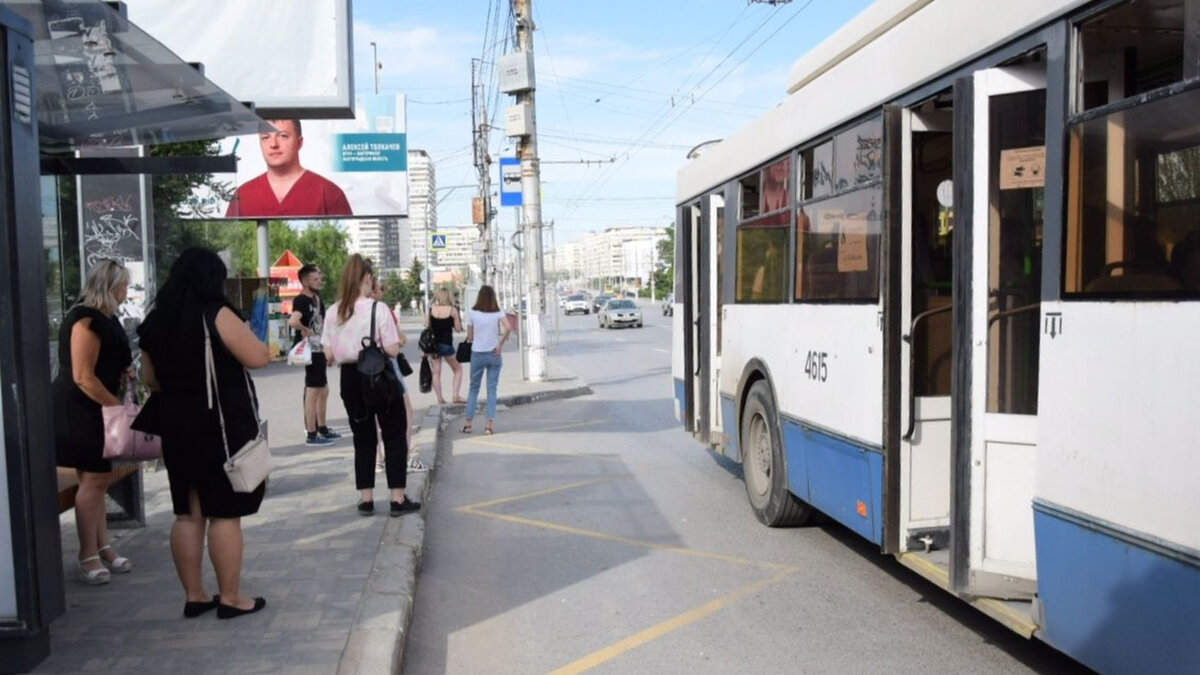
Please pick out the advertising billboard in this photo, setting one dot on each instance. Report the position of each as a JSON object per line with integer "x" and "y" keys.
{"x": 319, "y": 169}
{"x": 299, "y": 66}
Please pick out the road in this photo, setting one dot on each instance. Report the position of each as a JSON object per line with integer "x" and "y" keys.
{"x": 593, "y": 533}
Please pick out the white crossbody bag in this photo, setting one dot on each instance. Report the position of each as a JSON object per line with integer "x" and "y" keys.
{"x": 252, "y": 463}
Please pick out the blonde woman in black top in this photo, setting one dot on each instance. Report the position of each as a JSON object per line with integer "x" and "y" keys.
{"x": 94, "y": 359}
{"x": 445, "y": 321}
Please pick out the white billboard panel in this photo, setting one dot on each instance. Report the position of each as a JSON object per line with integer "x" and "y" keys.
{"x": 291, "y": 58}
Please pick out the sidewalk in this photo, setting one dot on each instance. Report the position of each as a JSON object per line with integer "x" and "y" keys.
{"x": 339, "y": 586}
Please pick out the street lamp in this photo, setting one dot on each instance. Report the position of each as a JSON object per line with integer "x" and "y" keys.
{"x": 375, "y": 65}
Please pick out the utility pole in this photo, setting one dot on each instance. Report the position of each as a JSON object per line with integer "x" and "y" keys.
{"x": 531, "y": 194}
{"x": 483, "y": 165}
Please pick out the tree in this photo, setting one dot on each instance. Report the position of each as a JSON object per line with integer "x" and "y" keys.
{"x": 664, "y": 266}
{"x": 324, "y": 244}
{"x": 176, "y": 199}
{"x": 412, "y": 282}
{"x": 393, "y": 290}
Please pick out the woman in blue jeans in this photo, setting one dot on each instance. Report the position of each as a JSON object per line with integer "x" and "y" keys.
{"x": 487, "y": 330}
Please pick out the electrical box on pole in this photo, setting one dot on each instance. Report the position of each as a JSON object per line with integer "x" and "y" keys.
{"x": 518, "y": 120}
{"x": 516, "y": 72}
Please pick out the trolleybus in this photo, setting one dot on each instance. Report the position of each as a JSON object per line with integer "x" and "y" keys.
{"x": 947, "y": 292}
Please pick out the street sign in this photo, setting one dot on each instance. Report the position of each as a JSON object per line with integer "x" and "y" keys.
{"x": 437, "y": 241}
{"x": 510, "y": 181}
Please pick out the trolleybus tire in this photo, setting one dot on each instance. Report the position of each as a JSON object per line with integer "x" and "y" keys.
{"x": 763, "y": 469}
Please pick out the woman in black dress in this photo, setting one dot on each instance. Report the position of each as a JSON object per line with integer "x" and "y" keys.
{"x": 93, "y": 358}
{"x": 173, "y": 364}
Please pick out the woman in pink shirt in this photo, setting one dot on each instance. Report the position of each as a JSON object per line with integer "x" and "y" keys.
{"x": 350, "y": 322}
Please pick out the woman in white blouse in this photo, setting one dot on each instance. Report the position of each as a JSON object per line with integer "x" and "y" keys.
{"x": 487, "y": 330}
{"x": 350, "y": 322}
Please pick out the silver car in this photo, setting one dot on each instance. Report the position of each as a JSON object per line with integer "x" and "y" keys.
{"x": 620, "y": 312}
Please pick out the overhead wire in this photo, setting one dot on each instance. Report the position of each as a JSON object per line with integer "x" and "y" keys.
{"x": 663, "y": 120}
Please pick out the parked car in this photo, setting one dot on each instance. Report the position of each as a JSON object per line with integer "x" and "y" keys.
{"x": 576, "y": 303}
{"x": 598, "y": 302}
{"x": 620, "y": 312}
{"x": 668, "y": 305}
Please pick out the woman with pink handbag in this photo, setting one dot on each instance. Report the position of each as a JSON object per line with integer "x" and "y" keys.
{"x": 192, "y": 337}
{"x": 93, "y": 359}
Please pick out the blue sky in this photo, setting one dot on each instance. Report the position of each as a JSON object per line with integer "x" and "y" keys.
{"x": 631, "y": 84}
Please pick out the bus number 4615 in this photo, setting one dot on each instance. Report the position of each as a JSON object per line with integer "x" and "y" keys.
{"x": 815, "y": 368}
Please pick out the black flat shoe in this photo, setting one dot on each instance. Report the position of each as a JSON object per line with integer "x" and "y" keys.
{"x": 231, "y": 612}
{"x": 192, "y": 610}
{"x": 406, "y": 506}
{"x": 366, "y": 508}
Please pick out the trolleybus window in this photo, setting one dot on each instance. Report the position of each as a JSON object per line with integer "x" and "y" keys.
{"x": 762, "y": 242}
{"x": 751, "y": 195}
{"x": 837, "y": 247}
{"x": 1132, "y": 48}
{"x": 1133, "y": 219}
{"x": 837, "y": 239}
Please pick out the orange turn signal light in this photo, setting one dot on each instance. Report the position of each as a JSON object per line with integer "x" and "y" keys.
{"x": 862, "y": 508}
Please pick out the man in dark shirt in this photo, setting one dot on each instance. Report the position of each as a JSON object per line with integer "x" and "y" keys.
{"x": 307, "y": 321}
{"x": 287, "y": 188}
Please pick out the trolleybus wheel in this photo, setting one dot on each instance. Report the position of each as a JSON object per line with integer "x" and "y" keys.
{"x": 763, "y": 468}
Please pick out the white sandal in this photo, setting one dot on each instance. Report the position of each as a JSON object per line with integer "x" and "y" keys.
{"x": 96, "y": 577}
{"x": 119, "y": 564}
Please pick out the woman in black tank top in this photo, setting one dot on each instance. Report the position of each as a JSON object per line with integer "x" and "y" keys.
{"x": 445, "y": 320}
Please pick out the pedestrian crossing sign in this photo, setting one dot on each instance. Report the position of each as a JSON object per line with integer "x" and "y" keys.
{"x": 437, "y": 241}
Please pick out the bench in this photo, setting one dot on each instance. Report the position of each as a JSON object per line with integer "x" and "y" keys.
{"x": 125, "y": 490}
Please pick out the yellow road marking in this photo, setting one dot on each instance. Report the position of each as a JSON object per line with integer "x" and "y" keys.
{"x": 477, "y": 509}
{"x": 539, "y": 493}
{"x": 529, "y": 449}
{"x": 636, "y": 640}
{"x": 654, "y": 632}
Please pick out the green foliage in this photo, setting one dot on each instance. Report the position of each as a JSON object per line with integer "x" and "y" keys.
{"x": 410, "y": 287}
{"x": 664, "y": 268}
{"x": 174, "y": 200}
{"x": 393, "y": 290}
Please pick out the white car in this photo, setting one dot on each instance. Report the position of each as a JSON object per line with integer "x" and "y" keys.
{"x": 577, "y": 303}
{"x": 620, "y": 312}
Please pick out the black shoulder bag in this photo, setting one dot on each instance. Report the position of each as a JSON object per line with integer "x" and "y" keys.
{"x": 380, "y": 386}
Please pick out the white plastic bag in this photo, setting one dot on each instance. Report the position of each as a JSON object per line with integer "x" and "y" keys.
{"x": 301, "y": 354}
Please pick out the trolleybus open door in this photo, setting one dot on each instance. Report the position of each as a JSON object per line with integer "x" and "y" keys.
{"x": 700, "y": 225}
{"x": 1000, "y": 151}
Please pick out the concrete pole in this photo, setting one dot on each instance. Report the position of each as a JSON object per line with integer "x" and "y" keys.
{"x": 531, "y": 196}
{"x": 264, "y": 249}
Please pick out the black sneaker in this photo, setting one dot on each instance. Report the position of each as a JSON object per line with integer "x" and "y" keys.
{"x": 325, "y": 432}
{"x": 367, "y": 508}
{"x": 406, "y": 506}
{"x": 317, "y": 439}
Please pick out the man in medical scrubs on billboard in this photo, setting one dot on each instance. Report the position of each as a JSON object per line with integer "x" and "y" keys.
{"x": 286, "y": 189}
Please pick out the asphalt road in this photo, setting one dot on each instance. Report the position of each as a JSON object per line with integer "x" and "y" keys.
{"x": 593, "y": 533}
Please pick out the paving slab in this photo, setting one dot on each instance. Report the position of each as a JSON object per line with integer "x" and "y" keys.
{"x": 339, "y": 586}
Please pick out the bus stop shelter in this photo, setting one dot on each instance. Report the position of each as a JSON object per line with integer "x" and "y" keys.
{"x": 78, "y": 79}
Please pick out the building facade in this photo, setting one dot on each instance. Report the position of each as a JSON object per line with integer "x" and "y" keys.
{"x": 422, "y": 207}
{"x": 616, "y": 256}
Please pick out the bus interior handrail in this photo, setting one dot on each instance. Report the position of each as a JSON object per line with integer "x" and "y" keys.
{"x": 1012, "y": 312}
{"x": 912, "y": 358}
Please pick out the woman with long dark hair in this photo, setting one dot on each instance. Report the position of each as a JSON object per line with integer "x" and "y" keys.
{"x": 343, "y": 339}
{"x": 93, "y": 357}
{"x": 487, "y": 330}
{"x": 174, "y": 365}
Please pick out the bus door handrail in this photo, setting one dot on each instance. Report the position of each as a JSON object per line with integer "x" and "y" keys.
{"x": 1012, "y": 312}
{"x": 912, "y": 358}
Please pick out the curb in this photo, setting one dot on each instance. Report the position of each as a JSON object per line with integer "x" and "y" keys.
{"x": 380, "y": 632}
